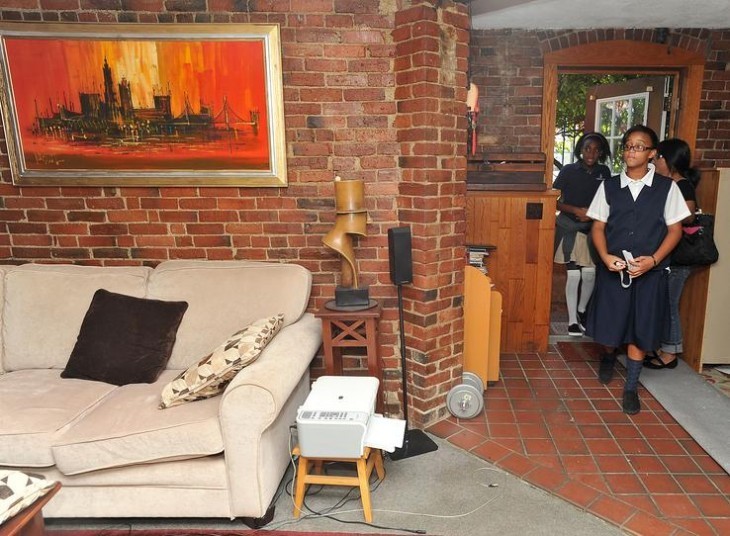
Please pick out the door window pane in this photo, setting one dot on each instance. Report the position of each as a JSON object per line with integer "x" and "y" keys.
{"x": 615, "y": 116}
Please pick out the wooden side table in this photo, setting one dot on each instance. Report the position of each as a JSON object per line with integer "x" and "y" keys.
{"x": 351, "y": 329}
{"x": 29, "y": 522}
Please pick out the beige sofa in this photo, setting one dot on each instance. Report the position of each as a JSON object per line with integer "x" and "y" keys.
{"x": 116, "y": 453}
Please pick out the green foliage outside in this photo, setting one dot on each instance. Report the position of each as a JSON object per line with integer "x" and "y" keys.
{"x": 571, "y": 109}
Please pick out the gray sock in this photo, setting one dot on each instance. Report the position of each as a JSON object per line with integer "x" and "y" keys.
{"x": 633, "y": 370}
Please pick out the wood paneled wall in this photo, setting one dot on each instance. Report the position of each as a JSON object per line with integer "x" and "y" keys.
{"x": 521, "y": 266}
{"x": 693, "y": 306}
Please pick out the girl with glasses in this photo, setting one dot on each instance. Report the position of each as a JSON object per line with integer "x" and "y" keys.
{"x": 578, "y": 183}
{"x": 638, "y": 212}
{"x": 673, "y": 161}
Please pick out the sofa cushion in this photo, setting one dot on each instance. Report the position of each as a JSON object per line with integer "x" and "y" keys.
{"x": 35, "y": 405}
{"x": 210, "y": 376}
{"x": 19, "y": 490}
{"x": 124, "y": 339}
{"x": 113, "y": 436}
{"x": 45, "y": 304}
{"x": 223, "y": 296}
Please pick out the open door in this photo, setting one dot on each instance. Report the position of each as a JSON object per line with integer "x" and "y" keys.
{"x": 613, "y": 108}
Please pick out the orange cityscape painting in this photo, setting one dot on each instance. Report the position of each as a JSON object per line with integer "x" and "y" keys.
{"x": 150, "y": 105}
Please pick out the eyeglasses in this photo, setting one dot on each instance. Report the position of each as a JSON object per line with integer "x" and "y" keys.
{"x": 638, "y": 148}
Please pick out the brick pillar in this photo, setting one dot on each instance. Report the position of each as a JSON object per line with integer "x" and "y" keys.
{"x": 431, "y": 41}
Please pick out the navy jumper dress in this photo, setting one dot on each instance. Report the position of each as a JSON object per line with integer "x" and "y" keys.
{"x": 636, "y": 314}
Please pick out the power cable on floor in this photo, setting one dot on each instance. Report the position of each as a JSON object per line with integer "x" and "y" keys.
{"x": 330, "y": 511}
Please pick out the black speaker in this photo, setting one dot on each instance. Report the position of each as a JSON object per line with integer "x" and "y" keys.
{"x": 399, "y": 253}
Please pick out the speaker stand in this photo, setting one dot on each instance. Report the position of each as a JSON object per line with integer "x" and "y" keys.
{"x": 415, "y": 442}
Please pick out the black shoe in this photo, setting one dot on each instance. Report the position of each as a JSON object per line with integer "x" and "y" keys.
{"x": 605, "y": 369}
{"x": 582, "y": 320}
{"x": 575, "y": 331}
{"x": 655, "y": 362}
{"x": 631, "y": 404}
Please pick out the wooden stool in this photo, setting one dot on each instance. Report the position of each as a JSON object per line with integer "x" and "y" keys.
{"x": 365, "y": 463}
{"x": 351, "y": 329}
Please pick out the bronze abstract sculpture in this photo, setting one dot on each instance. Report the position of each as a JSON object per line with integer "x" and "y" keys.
{"x": 351, "y": 220}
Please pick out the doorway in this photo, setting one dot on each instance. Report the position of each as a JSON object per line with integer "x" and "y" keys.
{"x": 681, "y": 72}
{"x": 610, "y": 104}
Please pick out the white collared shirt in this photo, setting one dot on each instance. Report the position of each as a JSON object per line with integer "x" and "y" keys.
{"x": 675, "y": 208}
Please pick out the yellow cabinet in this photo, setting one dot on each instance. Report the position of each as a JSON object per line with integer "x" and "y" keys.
{"x": 482, "y": 326}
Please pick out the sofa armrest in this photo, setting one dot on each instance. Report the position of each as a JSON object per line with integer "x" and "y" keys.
{"x": 256, "y": 411}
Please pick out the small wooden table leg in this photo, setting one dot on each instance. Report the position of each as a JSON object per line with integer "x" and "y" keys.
{"x": 363, "y": 476}
{"x": 379, "y": 469}
{"x": 331, "y": 365}
{"x": 301, "y": 483}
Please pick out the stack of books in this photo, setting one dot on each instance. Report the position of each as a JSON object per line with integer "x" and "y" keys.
{"x": 477, "y": 256}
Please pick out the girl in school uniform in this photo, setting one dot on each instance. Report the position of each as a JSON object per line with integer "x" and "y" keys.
{"x": 673, "y": 160}
{"x": 639, "y": 212}
{"x": 578, "y": 183}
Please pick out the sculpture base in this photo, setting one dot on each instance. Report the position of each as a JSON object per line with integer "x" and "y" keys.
{"x": 332, "y": 306}
{"x": 352, "y": 297}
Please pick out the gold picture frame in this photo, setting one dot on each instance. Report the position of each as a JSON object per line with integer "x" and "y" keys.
{"x": 143, "y": 104}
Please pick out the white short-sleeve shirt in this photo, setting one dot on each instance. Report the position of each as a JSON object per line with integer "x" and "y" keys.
{"x": 675, "y": 208}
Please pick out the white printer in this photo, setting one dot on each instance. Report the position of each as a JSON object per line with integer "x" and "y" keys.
{"x": 338, "y": 416}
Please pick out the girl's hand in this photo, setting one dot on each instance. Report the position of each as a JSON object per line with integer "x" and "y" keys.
{"x": 641, "y": 265}
{"x": 581, "y": 214}
{"x": 614, "y": 263}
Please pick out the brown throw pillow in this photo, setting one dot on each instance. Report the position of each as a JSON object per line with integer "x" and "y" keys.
{"x": 124, "y": 339}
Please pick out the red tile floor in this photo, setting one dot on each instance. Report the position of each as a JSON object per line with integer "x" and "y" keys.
{"x": 550, "y": 422}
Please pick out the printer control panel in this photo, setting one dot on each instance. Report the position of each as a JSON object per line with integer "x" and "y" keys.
{"x": 330, "y": 415}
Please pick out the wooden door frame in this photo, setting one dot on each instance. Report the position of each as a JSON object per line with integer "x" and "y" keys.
{"x": 623, "y": 56}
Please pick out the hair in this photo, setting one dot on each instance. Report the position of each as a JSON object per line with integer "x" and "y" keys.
{"x": 677, "y": 155}
{"x": 644, "y": 130}
{"x": 603, "y": 145}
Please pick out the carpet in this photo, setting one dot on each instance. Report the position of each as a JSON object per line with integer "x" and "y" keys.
{"x": 697, "y": 406}
{"x": 449, "y": 492}
{"x": 719, "y": 380}
{"x": 701, "y": 409}
{"x": 192, "y": 532}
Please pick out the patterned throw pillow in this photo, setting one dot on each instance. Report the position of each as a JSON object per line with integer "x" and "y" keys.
{"x": 19, "y": 490}
{"x": 210, "y": 376}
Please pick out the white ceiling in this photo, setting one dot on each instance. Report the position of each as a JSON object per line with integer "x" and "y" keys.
{"x": 584, "y": 14}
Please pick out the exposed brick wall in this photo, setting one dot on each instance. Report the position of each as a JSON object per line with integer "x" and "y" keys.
{"x": 354, "y": 106}
{"x": 713, "y": 136}
{"x": 507, "y": 67}
{"x": 430, "y": 67}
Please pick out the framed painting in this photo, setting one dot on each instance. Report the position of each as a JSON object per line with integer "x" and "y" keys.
{"x": 143, "y": 104}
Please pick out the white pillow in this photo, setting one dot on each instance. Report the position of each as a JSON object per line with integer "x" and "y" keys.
{"x": 19, "y": 490}
{"x": 210, "y": 376}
